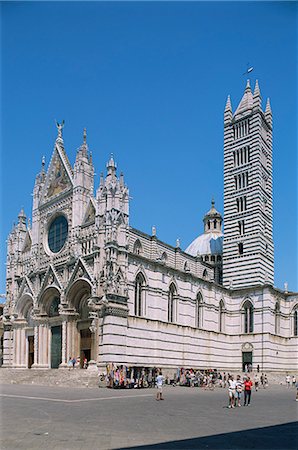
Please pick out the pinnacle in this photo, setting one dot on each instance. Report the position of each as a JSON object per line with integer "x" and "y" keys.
{"x": 248, "y": 88}
{"x": 257, "y": 92}
{"x": 268, "y": 107}
{"x": 228, "y": 104}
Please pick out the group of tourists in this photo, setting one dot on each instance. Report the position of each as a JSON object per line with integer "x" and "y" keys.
{"x": 238, "y": 388}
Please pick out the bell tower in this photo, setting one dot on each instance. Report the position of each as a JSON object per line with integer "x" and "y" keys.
{"x": 248, "y": 252}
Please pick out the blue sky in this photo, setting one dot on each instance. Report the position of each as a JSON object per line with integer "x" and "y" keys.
{"x": 149, "y": 80}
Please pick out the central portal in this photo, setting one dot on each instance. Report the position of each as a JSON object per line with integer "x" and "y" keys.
{"x": 56, "y": 347}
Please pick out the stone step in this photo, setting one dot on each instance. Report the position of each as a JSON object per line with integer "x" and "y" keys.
{"x": 50, "y": 377}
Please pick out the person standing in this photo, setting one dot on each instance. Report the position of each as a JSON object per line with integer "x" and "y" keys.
{"x": 256, "y": 381}
{"x": 159, "y": 384}
{"x": 231, "y": 391}
{"x": 288, "y": 380}
{"x": 293, "y": 381}
{"x": 239, "y": 387}
{"x": 247, "y": 391}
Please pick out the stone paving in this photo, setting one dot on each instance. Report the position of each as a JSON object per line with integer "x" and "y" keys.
{"x": 42, "y": 417}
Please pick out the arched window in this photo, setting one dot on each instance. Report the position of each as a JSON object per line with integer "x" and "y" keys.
{"x": 137, "y": 248}
{"x": 276, "y": 318}
{"x": 171, "y": 303}
{"x": 221, "y": 316}
{"x": 205, "y": 274}
{"x": 248, "y": 317}
{"x": 295, "y": 322}
{"x": 199, "y": 311}
{"x": 54, "y": 307}
{"x": 139, "y": 293}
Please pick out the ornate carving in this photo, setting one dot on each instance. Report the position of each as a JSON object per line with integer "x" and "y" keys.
{"x": 247, "y": 347}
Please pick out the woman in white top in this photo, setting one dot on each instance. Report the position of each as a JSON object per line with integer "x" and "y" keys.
{"x": 232, "y": 391}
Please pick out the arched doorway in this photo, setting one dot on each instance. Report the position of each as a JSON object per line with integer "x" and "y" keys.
{"x": 50, "y": 329}
{"x": 83, "y": 345}
{"x": 247, "y": 357}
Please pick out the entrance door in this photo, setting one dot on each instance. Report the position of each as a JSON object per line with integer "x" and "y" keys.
{"x": 56, "y": 347}
{"x": 85, "y": 345}
{"x": 246, "y": 359}
{"x": 30, "y": 351}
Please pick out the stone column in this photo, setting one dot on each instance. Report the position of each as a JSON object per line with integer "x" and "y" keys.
{"x": 24, "y": 350}
{"x": 41, "y": 340}
{"x": 36, "y": 352}
{"x": 94, "y": 332}
{"x": 63, "y": 364}
{"x": 8, "y": 353}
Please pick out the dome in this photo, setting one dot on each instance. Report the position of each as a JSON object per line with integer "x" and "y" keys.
{"x": 206, "y": 244}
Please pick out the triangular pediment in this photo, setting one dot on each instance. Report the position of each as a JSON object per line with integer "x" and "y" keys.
{"x": 26, "y": 287}
{"x": 50, "y": 279}
{"x": 27, "y": 242}
{"x": 59, "y": 177}
{"x": 90, "y": 213}
{"x": 80, "y": 271}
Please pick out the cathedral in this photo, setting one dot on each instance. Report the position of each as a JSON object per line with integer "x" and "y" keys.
{"x": 82, "y": 282}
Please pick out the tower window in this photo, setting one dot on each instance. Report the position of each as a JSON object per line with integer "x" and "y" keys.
{"x": 240, "y": 248}
{"x": 241, "y": 227}
{"x": 248, "y": 317}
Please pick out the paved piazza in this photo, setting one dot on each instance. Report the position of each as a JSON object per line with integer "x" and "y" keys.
{"x": 39, "y": 417}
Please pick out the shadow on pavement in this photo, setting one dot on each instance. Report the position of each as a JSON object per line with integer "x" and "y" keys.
{"x": 278, "y": 437}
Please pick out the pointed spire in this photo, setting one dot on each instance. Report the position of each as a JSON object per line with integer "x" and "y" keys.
{"x": 228, "y": 104}
{"x": 257, "y": 99}
{"x": 268, "y": 107}
{"x": 246, "y": 102}
{"x": 22, "y": 216}
{"x": 268, "y": 112}
{"x": 85, "y": 136}
{"x": 111, "y": 165}
{"x": 248, "y": 88}
{"x": 228, "y": 114}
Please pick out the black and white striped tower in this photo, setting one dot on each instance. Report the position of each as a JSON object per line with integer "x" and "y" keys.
{"x": 248, "y": 251}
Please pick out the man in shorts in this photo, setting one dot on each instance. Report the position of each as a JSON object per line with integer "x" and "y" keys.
{"x": 239, "y": 388}
{"x": 159, "y": 383}
{"x": 231, "y": 391}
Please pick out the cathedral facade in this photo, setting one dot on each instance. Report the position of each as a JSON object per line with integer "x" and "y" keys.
{"x": 82, "y": 282}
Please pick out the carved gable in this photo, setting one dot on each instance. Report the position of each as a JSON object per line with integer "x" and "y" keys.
{"x": 50, "y": 279}
{"x": 89, "y": 214}
{"x": 80, "y": 271}
{"x": 25, "y": 287}
{"x": 27, "y": 243}
{"x": 59, "y": 176}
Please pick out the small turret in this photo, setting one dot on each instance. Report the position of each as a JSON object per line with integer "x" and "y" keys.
{"x": 212, "y": 220}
